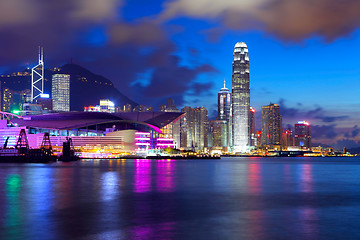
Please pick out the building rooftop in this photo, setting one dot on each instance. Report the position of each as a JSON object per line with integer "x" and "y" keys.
{"x": 240, "y": 44}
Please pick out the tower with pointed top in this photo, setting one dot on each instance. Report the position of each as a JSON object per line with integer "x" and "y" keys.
{"x": 224, "y": 103}
{"x": 240, "y": 98}
{"x": 223, "y": 118}
{"x": 37, "y": 77}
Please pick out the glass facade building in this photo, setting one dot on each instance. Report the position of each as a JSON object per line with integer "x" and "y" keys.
{"x": 60, "y": 92}
{"x": 223, "y": 117}
{"x": 271, "y": 125}
{"x": 240, "y": 98}
{"x": 303, "y": 135}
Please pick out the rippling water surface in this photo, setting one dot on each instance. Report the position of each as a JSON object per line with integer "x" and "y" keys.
{"x": 231, "y": 198}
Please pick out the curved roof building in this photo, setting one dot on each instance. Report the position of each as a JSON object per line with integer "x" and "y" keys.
{"x": 99, "y": 121}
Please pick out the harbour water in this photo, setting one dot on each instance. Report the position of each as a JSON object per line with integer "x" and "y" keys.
{"x": 231, "y": 198}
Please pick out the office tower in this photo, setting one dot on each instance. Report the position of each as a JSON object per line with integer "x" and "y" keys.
{"x": 194, "y": 128}
{"x": 287, "y": 138}
{"x": 171, "y": 107}
{"x": 60, "y": 92}
{"x": 224, "y": 104}
{"x": 252, "y": 130}
{"x": 172, "y": 130}
{"x": 240, "y": 98}
{"x": 271, "y": 129}
{"x": 303, "y": 134}
{"x": 7, "y": 99}
{"x": 222, "y": 122}
{"x": 201, "y": 128}
{"x": 45, "y": 102}
{"x": 219, "y": 133}
{"x": 107, "y": 106}
{"x": 187, "y": 128}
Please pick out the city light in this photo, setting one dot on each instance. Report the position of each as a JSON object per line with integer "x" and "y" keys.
{"x": 45, "y": 95}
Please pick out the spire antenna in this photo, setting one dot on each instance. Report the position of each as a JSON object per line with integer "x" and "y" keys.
{"x": 37, "y": 77}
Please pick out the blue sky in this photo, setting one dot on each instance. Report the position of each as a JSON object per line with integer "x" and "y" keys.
{"x": 304, "y": 55}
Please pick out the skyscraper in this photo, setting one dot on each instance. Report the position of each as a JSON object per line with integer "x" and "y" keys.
{"x": 222, "y": 122}
{"x": 201, "y": 127}
{"x": 287, "y": 139}
{"x": 172, "y": 130}
{"x": 194, "y": 128}
{"x": 252, "y": 129}
{"x": 187, "y": 124}
{"x": 60, "y": 92}
{"x": 224, "y": 104}
{"x": 240, "y": 98}
{"x": 271, "y": 130}
{"x": 302, "y": 134}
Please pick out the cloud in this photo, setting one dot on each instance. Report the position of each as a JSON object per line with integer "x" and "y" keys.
{"x": 292, "y": 20}
{"x": 340, "y": 144}
{"x": 172, "y": 79}
{"x": 353, "y": 133}
{"x": 199, "y": 88}
{"x": 324, "y": 131}
{"x": 319, "y": 113}
{"x": 300, "y": 113}
{"x": 213, "y": 35}
{"x": 55, "y": 25}
{"x": 141, "y": 33}
{"x": 23, "y": 12}
{"x": 287, "y": 112}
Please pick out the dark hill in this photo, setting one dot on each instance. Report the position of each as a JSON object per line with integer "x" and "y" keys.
{"x": 86, "y": 88}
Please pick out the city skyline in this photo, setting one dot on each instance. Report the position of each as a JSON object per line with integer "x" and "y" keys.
{"x": 307, "y": 67}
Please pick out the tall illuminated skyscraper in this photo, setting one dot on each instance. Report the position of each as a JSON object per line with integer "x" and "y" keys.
{"x": 222, "y": 122}
{"x": 303, "y": 134}
{"x": 240, "y": 98}
{"x": 60, "y": 92}
{"x": 194, "y": 128}
{"x": 271, "y": 125}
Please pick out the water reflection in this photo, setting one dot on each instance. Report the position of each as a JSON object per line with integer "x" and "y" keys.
{"x": 308, "y": 214}
{"x": 165, "y": 174}
{"x": 256, "y": 217}
{"x": 13, "y": 215}
{"x": 306, "y": 183}
{"x": 63, "y": 188}
{"x": 151, "y": 219}
{"x": 254, "y": 178}
{"x": 142, "y": 175}
{"x": 110, "y": 186}
{"x": 192, "y": 199}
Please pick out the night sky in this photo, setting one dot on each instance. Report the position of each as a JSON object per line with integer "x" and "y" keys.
{"x": 304, "y": 54}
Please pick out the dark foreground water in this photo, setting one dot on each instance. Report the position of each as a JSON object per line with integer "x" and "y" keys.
{"x": 234, "y": 198}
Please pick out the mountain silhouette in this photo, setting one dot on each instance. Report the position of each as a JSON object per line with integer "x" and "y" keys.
{"x": 86, "y": 88}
